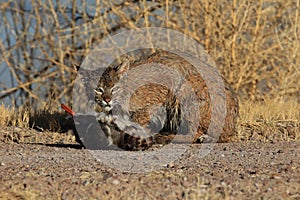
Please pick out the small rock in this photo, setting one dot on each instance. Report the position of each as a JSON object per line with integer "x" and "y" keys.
{"x": 272, "y": 163}
{"x": 116, "y": 182}
{"x": 171, "y": 165}
{"x": 2, "y": 164}
{"x": 275, "y": 176}
{"x": 86, "y": 182}
{"x": 279, "y": 151}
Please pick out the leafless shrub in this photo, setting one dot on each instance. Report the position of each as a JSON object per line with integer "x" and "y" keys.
{"x": 254, "y": 43}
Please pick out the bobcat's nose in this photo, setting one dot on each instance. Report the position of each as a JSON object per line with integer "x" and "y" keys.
{"x": 107, "y": 99}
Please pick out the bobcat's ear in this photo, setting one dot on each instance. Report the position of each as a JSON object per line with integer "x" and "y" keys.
{"x": 123, "y": 68}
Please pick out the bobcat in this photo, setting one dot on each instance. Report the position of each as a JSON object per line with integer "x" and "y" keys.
{"x": 154, "y": 106}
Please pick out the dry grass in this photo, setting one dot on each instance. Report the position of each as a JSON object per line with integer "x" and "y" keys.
{"x": 270, "y": 110}
{"x": 255, "y": 45}
{"x": 269, "y": 120}
{"x": 14, "y": 117}
{"x": 44, "y": 126}
{"x": 43, "y": 118}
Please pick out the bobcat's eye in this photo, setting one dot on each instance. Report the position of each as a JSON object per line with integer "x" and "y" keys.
{"x": 113, "y": 89}
{"x": 99, "y": 90}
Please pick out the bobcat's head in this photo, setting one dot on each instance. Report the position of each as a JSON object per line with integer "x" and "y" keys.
{"x": 106, "y": 85}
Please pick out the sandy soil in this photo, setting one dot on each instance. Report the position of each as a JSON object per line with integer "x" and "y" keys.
{"x": 252, "y": 170}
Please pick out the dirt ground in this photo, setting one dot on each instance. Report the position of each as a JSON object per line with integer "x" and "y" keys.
{"x": 250, "y": 170}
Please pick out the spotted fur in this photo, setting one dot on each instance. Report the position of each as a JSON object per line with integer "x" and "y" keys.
{"x": 156, "y": 108}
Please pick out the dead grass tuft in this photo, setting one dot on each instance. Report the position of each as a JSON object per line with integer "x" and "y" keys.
{"x": 5, "y": 115}
{"x": 45, "y": 126}
{"x": 269, "y": 120}
{"x": 48, "y": 118}
{"x": 45, "y": 118}
{"x": 14, "y": 117}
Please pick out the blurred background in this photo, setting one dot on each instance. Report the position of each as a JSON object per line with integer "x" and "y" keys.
{"x": 255, "y": 44}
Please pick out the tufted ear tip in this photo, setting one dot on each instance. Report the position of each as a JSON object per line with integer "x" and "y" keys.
{"x": 123, "y": 68}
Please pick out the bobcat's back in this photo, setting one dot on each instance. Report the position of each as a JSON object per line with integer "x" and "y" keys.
{"x": 146, "y": 83}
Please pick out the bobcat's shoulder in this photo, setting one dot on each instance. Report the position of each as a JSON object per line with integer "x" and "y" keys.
{"x": 156, "y": 107}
